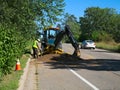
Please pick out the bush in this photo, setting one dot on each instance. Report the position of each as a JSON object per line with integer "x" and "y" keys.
{"x": 101, "y": 36}
{"x": 8, "y": 49}
{"x": 118, "y": 48}
{"x": 11, "y": 48}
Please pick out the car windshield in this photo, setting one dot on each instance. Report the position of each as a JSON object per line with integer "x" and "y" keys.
{"x": 89, "y": 41}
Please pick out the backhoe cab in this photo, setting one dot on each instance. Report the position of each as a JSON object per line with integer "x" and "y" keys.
{"x": 52, "y": 37}
{"x": 48, "y": 40}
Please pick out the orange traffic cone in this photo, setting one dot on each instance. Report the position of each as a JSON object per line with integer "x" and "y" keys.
{"x": 18, "y": 67}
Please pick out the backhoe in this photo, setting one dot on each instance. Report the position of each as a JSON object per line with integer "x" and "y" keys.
{"x": 52, "y": 40}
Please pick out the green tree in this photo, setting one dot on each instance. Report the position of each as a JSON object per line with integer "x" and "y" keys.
{"x": 101, "y": 36}
{"x": 48, "y": 12}
{"x": 18, "y": 26}
{"x": 115, "y": 25}
{"x": 97, "y": 19}
{"x": 71, "y": 20}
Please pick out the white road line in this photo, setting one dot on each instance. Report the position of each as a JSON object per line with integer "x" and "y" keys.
{"x": 83, "y": 79}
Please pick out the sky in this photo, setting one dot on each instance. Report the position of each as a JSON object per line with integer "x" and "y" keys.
{"x": 77, "y": 7}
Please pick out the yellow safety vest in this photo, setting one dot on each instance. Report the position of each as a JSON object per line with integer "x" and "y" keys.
{"x": 35, "y": 44}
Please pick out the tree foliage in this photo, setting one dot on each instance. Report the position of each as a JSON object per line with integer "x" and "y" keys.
{"x": 48, "y": 12}
{"x": 98, "y": 20}
{"x": 18, "y": 26}
{"x": 71, "y": 20}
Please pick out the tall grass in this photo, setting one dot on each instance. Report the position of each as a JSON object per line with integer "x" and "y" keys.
{"x": 112, "y": 46}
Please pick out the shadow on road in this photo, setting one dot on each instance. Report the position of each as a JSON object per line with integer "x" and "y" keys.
{"x": 60, "y": 62}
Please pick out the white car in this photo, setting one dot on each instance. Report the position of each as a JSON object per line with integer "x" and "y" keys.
{"x": 88, "y": 44}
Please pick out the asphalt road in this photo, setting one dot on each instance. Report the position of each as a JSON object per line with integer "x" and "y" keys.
{"x": 100, "y": 70}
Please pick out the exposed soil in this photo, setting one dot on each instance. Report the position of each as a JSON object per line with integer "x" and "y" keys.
{"x": 59, "y": 60}
{"x": 66, "y": 58}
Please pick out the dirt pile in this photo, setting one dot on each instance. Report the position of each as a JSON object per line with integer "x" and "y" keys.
{"x": 59, "y": 58}
{"x": 59, "y": 61}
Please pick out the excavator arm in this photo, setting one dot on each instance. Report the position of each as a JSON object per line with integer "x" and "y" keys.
{"x": 67, "y": 32}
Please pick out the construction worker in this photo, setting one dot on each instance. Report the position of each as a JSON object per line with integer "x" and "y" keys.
{"x": 36, "y": 48}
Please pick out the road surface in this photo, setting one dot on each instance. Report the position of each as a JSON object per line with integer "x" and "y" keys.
{"x": 100, "y": 70}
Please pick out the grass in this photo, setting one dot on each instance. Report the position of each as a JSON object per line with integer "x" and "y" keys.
{"x": 11, "y": 81}
{"x": 112, "y": 46}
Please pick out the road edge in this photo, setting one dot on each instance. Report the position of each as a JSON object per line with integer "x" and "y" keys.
{"x": 23, "y": 77}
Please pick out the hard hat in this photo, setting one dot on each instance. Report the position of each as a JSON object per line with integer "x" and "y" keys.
{"x": 38, "y": 40}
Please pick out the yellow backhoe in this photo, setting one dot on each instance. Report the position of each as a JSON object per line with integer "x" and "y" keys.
{"x": 51, "y": 41}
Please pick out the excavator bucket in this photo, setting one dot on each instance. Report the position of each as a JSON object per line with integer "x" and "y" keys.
{"x": 76, "y": 53}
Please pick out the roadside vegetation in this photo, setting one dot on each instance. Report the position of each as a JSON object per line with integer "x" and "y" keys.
{"x": 11, "y": 81}
{"x": 115, "y": 47}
